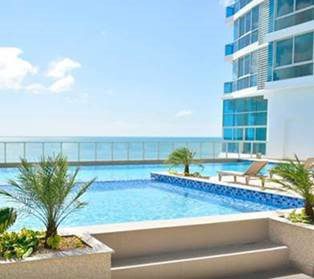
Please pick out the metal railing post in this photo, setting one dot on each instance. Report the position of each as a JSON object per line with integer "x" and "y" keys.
{"x": 251, "y": 151}
{"x": 43, "y": 149}
{"x": 5, "y": 152}
{"x": 61, "y": 147}
{"x": 214, "y": 150}
{"x": 95, "y": 151}
{"x": 143, "y": 151}
{"x": 24, "y": 150}
{"x": 78, "y": 151}
{"x": 111, "y": 146}
{"x": 128, "y": 151}
{"x": 200, "y": 150}
{"x": 158, "y": 150}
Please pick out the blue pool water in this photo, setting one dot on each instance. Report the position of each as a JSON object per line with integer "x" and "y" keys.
{"x": 139, "y": 200}
{"x": 125, "y": 193}
{"x": 127, "y": 172}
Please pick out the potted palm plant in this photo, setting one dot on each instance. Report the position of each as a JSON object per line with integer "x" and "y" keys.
{"x": 294, "y": 176}
{"x": 182, "y": 156}
{"x": 48, "y": 192}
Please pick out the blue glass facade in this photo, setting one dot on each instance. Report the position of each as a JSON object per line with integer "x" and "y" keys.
{"x": 245, "y": 72}
{"x": 246, "y": 29}
{"x": 291, "y": 57}
{"x": 245, "y": 120}
{"x": 238, "y": 5}
{"x": 287, "y": 13}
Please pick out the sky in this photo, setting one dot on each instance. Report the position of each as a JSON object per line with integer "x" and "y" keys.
{"x": 112, "y": 67}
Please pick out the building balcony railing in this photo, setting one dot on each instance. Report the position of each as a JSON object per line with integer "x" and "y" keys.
{"x": 229, "y": 49}
{"x": 228, "y": 87}
{"x": 229, "y": 11}
{"x": 238, "y": 5}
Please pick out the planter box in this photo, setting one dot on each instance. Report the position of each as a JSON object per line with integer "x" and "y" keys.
{"x": 300, "y": 240}
{"x": 91, "y": 262}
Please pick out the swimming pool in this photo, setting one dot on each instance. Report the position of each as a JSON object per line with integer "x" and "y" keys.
{"x": 142, "y": 200}
{"x": 138, "y": 171}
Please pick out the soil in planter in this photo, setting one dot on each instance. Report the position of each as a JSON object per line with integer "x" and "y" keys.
{"x": 67, "y": 243}
{"x": 71, "y": 242}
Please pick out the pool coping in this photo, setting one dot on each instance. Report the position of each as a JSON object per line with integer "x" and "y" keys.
{"x": 172, "y": 223}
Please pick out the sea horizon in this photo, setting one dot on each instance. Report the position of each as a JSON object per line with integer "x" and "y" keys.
{"x": 104, "y": 138}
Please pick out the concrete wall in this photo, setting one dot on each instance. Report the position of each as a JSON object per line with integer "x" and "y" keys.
{"x": 148, "y": 241}
{"x": 92, "y": 262}
{"x": 290, "y": 122}
{"x": 298, "y": 238}
{"x": 93, "y": 266}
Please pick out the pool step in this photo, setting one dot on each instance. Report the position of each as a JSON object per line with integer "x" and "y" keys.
{"x": 203, "y": 263}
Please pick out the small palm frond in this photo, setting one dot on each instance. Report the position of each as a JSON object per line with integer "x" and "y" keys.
{"x": 7, "y": 218}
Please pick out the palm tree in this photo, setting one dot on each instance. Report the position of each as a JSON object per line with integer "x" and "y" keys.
{"x": 48, "y": 192}
{"x": 7, "y": 218}
{"x": 295, "y": 177}
{"x": 182, "y": 156}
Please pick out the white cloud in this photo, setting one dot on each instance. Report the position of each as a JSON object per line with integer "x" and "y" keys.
{"x": 61, "y": 72}
{"x": 61, "y": 68}
{"x": 35, "y": 88}
{"x": 184, "y": 113}
{"x": 13, "y": 69}
{"x": 62, "y": 84}
{"x": 15, "y": 73}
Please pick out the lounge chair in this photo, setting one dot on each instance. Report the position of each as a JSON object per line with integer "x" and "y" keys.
{"x": 309, "y": 163}
{"x": 251, "y": 172}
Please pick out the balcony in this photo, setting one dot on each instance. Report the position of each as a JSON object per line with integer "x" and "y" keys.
{"x": 238, "y": 5}
{"x": 229, "y": 11}
{"x": 229, "y": 49}
{"x": 228, "y": 87}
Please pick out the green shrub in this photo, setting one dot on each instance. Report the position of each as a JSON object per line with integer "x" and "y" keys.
{"x": 54, "y": 242}
{"x": 7, "y": 218}
{"x": 19, "y": 245}
{"x": 301, "y": 217}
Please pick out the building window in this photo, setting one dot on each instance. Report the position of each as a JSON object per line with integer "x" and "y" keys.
{"x": 245, "y": 72}
{"x": 245, "y": 121}
{"x": 303, "y": 50}
{"x": 293, "y": 57}
{"x": 284, "y": 7}
{"x": 293, "y": 12}
{"x": 284, "y": 52}
{"x": 246, "y": 29}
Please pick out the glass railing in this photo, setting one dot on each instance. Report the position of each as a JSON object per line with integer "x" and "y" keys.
{"x": 229, "y": 11}
{"x": 240, "y": 84}
{"x": 229, "y": 49}
{"x": 238, "y": 5}
{"x": 293, "y": 72}
{"x": 246, "y": 40}
{"x": 294, "y": 19}
{"x": 98, "y": 152}
{"x": 228, "y": 87}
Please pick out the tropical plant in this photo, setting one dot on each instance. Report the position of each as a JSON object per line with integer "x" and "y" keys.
{"x": 182, "y": 156}
{"x": 7, "y": 218}
{"x": 19, "y": 244}
{"x": 296, "y": 177}
{"x": 48, "y": 191}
